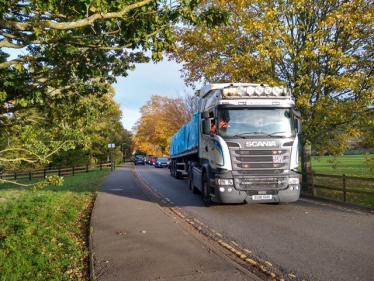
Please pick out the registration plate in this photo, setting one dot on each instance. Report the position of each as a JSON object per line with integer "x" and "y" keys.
{"x": 262, "y": 197}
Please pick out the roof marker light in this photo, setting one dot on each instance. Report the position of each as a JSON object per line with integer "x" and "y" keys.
{"x": 250, "y": 91}
{"x": 259, "y": 90}
{"x": 231, "y": 91}
{"x": 268, "y": 91}
{"x": 277, "y": 91}
{"x": 242, "y": 91}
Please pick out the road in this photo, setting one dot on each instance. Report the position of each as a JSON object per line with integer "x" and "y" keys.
{"x": 305, "y": 240}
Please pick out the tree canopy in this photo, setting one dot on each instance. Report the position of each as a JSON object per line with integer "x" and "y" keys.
{"x": 69, "y": 54}
{"x": 322, "y": 50}
{"x": 74, "y": 47}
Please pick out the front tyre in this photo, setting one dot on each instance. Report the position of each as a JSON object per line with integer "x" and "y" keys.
{"x": 206, "y": 191}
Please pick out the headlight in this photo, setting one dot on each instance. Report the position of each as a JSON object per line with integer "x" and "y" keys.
{"x": 293, "y": 181}
{"x": 224, "y": 181}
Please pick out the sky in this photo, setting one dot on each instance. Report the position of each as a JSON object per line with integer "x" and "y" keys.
{"x": 133, "y": 91}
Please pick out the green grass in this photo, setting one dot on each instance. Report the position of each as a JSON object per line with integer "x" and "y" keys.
{"x": 349, "y": 165}
{"x": 43, "y": 234}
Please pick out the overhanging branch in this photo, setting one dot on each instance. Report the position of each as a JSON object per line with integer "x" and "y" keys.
{"x": 48, "y": 24}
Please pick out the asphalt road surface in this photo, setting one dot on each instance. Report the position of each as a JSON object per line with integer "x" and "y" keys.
{"x": 305, "y": 240}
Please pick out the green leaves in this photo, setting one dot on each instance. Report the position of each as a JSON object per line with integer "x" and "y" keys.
{"x": 322, "y": 50}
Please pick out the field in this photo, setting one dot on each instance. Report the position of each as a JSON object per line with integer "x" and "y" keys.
{"x": 43, "y": 234}
{"x": 350, "y": 166}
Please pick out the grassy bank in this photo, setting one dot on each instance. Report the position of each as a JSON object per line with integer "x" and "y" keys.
{"x": 43, "y": 234}
{"x": 351, "y": 166}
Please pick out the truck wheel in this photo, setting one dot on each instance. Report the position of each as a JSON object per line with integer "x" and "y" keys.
{"x": 178, "y": 175}
{"x": 206, "y": 196}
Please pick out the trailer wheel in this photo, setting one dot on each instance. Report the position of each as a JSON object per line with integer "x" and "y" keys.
{"x": 171, "y": 169}
{"x": 206, "y": 193}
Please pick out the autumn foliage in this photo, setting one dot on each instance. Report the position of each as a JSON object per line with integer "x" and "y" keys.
{"x": 322, "y": 50}
{"x": 161, "y": 118}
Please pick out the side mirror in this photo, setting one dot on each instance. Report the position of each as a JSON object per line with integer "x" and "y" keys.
{"x": 296, "y": 113}
{"x": 204, "y": 115}
{"x": 206, "y": 126}
{"x": 299, "y": 125}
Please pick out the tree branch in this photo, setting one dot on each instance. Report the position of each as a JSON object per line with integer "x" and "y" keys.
{"x": 48, "y": 24}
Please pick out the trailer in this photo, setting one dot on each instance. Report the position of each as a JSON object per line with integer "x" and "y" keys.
{"x": 241, "y": 146}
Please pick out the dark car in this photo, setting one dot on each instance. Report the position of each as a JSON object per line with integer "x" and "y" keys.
{"x": 138, "y": 159}
{"x": 152, "y": 161}
{"x": 161, "y": 162}
{"x": 148, "y": 160}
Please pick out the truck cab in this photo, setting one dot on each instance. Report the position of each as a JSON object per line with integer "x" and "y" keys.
{"x": 248, "y": 145}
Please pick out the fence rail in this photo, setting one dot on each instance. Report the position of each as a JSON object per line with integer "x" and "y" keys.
{"x": 60, "y": 171}
{"x": 341, "y": 183}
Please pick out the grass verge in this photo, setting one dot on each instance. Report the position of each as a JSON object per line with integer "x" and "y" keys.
{"x": 43, "y": 234}
{"x": 351, "y": 166}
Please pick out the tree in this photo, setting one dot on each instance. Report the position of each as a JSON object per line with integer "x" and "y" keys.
{"x": 322, "y": 50}
{"x": 98, "y": 122}
{"x": 68, "y": 50}
{"x": 78, "y": 45}
{"x": 161, "y": 118}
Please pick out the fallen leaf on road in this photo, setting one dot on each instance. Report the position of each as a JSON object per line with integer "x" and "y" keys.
{"x": 143, "y": 231}
{"x": 121, "y": 233}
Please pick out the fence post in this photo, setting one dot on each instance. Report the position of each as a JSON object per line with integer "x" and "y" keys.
{"x": 59, "y": 171}
{"x": 15, "y": 175}
{"x": 101, "y": 166}
{"x": 29, "y": 175}
{"x": 344, "y": 188}
{"x": 45, "y": 173}
{"x": 73, "y": 171}
{"x": 86, "y": 168}
{"x": 314, "y": 189}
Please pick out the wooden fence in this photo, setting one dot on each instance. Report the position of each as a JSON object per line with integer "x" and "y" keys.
{"x": 60, "y": 171}
{"x": 343, "y": 185}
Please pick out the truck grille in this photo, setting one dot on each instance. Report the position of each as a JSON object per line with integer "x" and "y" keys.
{"x": 260, "y": 169}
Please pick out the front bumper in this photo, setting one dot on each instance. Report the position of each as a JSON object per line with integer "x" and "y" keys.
{"x": 229, "y": 194}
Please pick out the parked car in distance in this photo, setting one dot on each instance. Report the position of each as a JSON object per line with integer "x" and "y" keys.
{"x": 149, "y": 158}
{"x": 153, "y": 160}
{"x": 161, "y": 162}
{"x": 139, "y": 159}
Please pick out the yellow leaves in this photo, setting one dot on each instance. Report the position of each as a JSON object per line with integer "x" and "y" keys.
{"x": 3, "y": 96}
{"x": 19, "y": 67}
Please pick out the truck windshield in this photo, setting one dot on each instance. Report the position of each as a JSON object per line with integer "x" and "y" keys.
{"x": 271, "y": 122}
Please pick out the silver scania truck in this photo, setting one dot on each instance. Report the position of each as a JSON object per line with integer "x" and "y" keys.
{"x": 241, "y": 145}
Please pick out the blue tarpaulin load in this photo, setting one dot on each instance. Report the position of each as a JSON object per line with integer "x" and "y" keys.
{"x": 187, "y": 138}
